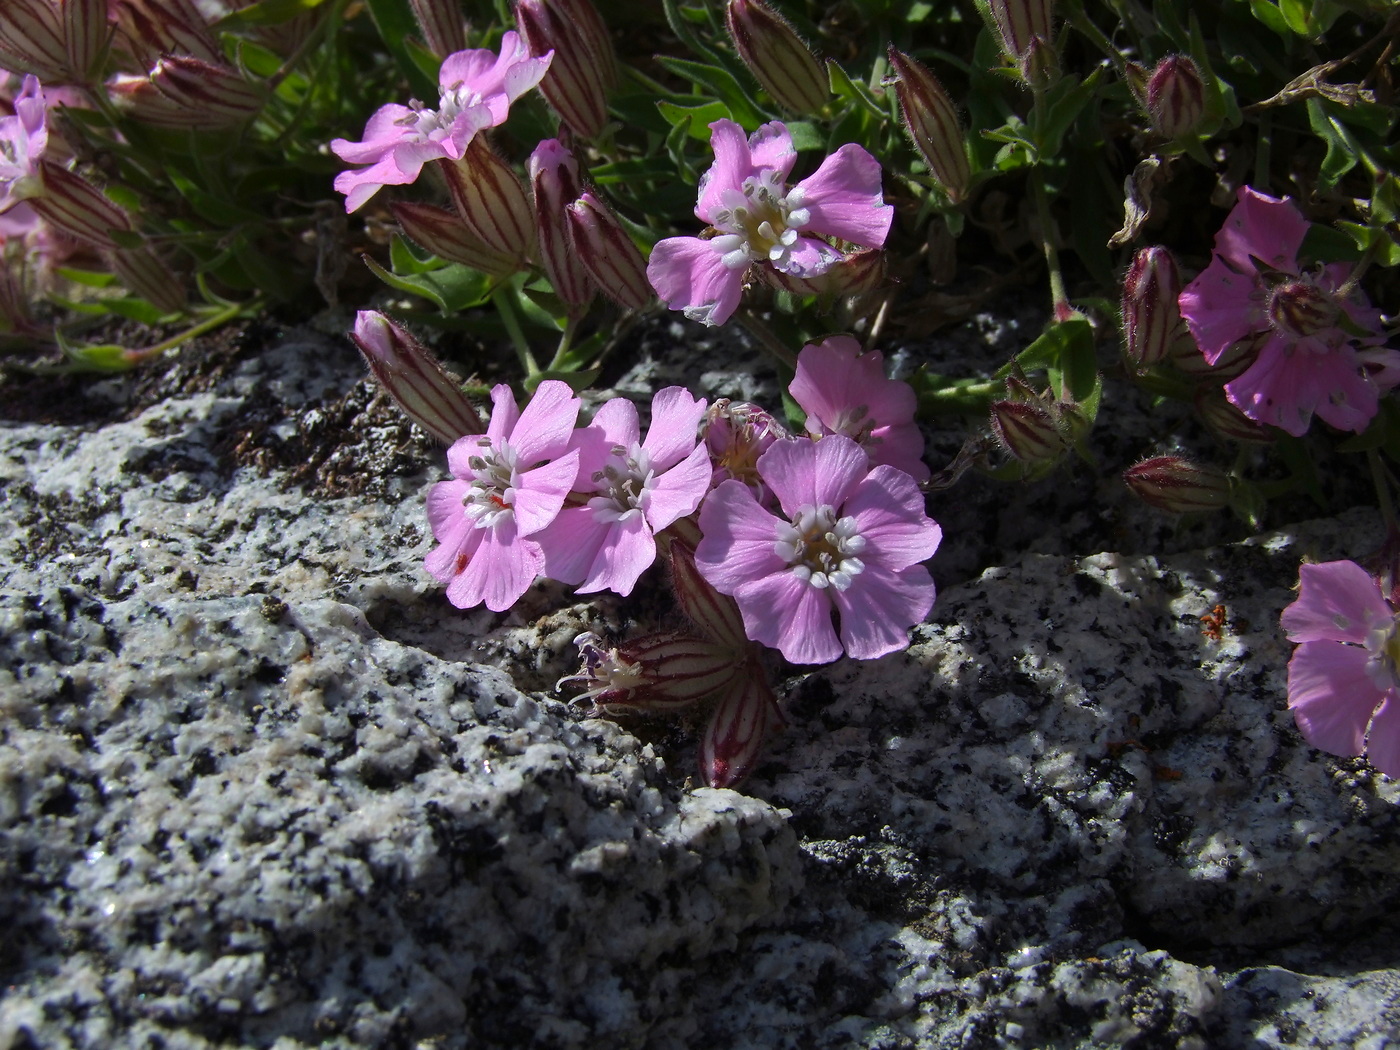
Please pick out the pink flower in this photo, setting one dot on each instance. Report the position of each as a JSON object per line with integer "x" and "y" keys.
{"x": 846, "y": 392}
{"x": 850, "y": 541}
{"x": 507, "y": 486}
{"x": 23, "y": 139}
{"x": 1309, "y": 359}
{"x": 634, "y": 488}
{"x": 737, "y": 434}
{"x": 745, "y": 197}
{"x": 477, "y": 90}
{"x": 1345, "y": 673}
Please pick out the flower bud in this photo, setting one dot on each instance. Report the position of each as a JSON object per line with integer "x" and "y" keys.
{"x": 200, "y": 95}
{"x": 777, "y": 57}
{"x": 1226, "y": 420}
{"x": 746, "y": 713}
{"x": 77, "y": 207}
{"x": 1026, "y": 31}
{"x": 932, "y": 122}
{"x": 1176, "y": 97}
{"x": 1028, "y": 431}
{"x": 446, "y": 236}
{"x": 491, "y": 201}
{"x": 1152, "y": 322}
{"x": 856, "y": 274}
{"x": 587, "y": 25}
{"x": 32, "y": 40}
{"x": 1177, "y": 485}
{"x": 737, "y": 433}
{"x": 666, "y": 671}
{"x": 154, "y": 28}
{"x": 716, "y": 615}
{"x": 441, "y": 24}
{"x": 576, "y": 84}
{"x": 1235, "y": 361}
{"x": 1301, "y": 309}
{"x": 414, "y": 379}
{"x": 555, "y": 183}
{"x": 608, "y": 254}
{"x": 143, "y": 273}
{"x": 15, "y": 316}
{"x": 84, "y": 36}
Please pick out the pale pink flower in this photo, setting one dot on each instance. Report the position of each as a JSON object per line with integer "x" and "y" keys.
{"x": 508, "y": 485}
{"x": 1345, "y": 673}
{"x": 758, "y": 219}
{"x": 850, "y": 542}
{"x": 477, "y": 90}
{"x": 633, "y": 488}
{"x": 24, "y": 137}
{"x": 846, "y": 392}
{"x": 1310, "y": 360}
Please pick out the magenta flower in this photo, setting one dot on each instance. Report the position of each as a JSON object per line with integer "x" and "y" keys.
{"x": 1345, "y": 673}
{"x": 24, "y": 137}
{"x": 477, "y": 90}
{"x": 759, "y": 220}
{"x": 1310, "y": 361}
{"x": 850, "y": 541}
{"x": 845, "y": 392}
{"x": 634, "y": 489}
{"x": 507, "y": 486}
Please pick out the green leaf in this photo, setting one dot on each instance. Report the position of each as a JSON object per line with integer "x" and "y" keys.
{"x": 265, "y": 13}
{"x": 409, "y": 260}
{"x": 1328, "y": 245}
{"x": 451, "y": 289}
{"x": 89, "y": 278}
{"x": 719, "y": 83}
{"x": 1270, "y": 16}
{"x": 1342, "y": 148}
{"x": 1063, "y": 104}
{"x": 104, "y": 357}
{"x": 578, "y": 381}
{"x": 395, "y": 22}
{"x": 695, "y": 120}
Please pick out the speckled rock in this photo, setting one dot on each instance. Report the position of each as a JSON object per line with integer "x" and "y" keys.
{"x": 261, "y": 786}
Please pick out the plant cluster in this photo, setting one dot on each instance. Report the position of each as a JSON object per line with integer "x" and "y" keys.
{"x": 1207, "y": 192}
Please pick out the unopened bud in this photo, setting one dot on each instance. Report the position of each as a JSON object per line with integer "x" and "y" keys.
{"x": 491, "y": 201}
{"x": 608, "y": 254}
{"x": 1177, "y": 485}
{"x": 777, "y": 57}
{"x": 31, "y": 40}
{"x": 933, "y": 125}
{"x": 576, "y": 84}
{"x": 1176, "y": 97}
{"x": 667, "y": 671}
{"x": 716, "y": 615}
{"x": 440, "y": 22}
{"x": 1152, "y": 323}
{"x": 1301, "y": 309}
{"x": 78, "y": 208}
{"x": 153, "y": 28}
{"x": 1028, "y": 431}
{"x": 1025, "y": 28}
{"x": 202, "y": 95}
{"x": 554, "y": 181}
{"x": 746, "y": 713}
{"x": 142, "y": 272}
{"x": 445, "y": 235}
{"x": 1226, "y": 420}
{"x": 414, "y": 379}
{"x": 856, "y": 274}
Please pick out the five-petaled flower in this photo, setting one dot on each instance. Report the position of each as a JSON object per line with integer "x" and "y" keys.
{"x": 1345, "y": 673}
{"x": 633, "y": 488}
{"x": 508, "y": 485}
{"x": 758, "y": 219}
{"x": 850, "y": 541}
{"x": 477, "y": 90}
{"x": 1318, "y": 347}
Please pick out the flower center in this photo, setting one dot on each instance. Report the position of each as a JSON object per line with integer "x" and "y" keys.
{"x": 1301, "y": 309}
{"x": 1383, "y": 667}
{"x": 821, "y": 548}
{"x": 490, "y": 499}
{"x": 623, "y": 486}
{"x": 760, "y": 222}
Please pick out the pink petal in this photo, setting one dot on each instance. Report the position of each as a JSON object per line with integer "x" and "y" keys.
{"x": 1222, "y": 307}
{"x": 1349, "y": 399}
{"x": 844, "y": 198}
{"x": 382, "y": 132}
{"x": 1331, "y": 695}
{"x": 617, "y": 421}
{"x": 541, "y": 492}
{"x": 812, "y": 473}
{"x": 501, "y": 570}
{"x": 833, "y": 378}
{"x": 675, "y": 427}
{"x": 571, "y": 543}
{"x": 733, "y": 164}
{"x": 1383, "y": 745}
{"x": 626, "y": 553}
{"x": 546, "y": 423}
{"x": 1268, "y": 228}
{"x": 889, "y": 508}
{"x": 1338, "y": 601}
{"x": 679, "y": 491}
{"x": 504, "y": 413}
{"x": 790, "y": 615}
{"x": 771, "y": 147}
{"x": 739, "y": 539}
{"x": 901, "y": 447}
{"x": 1275, "y": 389}
{"x": 689, "y": 274}
{"x": 809, "y": 257}
{"x": 880, "y": 606}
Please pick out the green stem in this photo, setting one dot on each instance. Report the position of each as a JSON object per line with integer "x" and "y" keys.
{"x": 214, "y": 320}
{"x": 766, "y": 336}
{"x": 504, "y": 300}
{"x": 964, "y": 397}
{"x": 566, "y": 342}
{"x": 1059, "y": 299}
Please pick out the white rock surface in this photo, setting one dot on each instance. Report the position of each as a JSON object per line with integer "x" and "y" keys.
{"x": 261, "y": 786}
